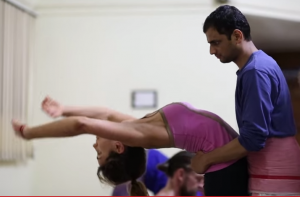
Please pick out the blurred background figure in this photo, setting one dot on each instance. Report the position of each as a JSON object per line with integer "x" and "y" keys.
{"x": 154, "y": 179}
{"x": 182, "y": 180}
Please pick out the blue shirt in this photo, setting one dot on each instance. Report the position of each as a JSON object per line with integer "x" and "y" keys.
{"x": 155, "y": 179}
{"x": 263, "y": 103}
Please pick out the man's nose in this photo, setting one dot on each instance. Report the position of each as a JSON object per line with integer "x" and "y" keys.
{"x": 212, "y": 50}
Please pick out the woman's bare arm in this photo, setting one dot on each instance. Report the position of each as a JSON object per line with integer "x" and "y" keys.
{"x": 101, "y": 113}
{"x": 133, "y": 133}
{"x": 55, "y": 109}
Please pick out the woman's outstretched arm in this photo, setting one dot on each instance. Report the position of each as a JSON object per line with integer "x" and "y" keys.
{"x": 55, "y": 109}
{"x": 134, "y": 133}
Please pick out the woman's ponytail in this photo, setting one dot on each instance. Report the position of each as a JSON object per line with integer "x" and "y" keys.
{"x": 138, "y": 189}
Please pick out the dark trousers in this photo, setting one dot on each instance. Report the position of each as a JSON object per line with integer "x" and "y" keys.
{"x": 230, "y": 181}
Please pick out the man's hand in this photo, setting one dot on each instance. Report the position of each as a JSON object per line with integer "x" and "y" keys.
{"x": 199, "y": 163}
{"x": 229, "y": 152}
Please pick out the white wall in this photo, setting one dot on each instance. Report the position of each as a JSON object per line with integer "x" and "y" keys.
{"x": 97, "y": 56}
{"x": 16, "y": 178}
{"x": 28, "y": 3}
{"x": 286, "y": 10}
{"x": 95, "y": 53}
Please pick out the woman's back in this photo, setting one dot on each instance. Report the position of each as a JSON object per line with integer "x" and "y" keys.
{"x": 196, "y": 130}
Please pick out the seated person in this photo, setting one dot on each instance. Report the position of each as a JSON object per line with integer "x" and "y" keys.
{"x": 182, "y": 180}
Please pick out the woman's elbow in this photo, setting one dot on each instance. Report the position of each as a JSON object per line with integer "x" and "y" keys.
{"x": 79, "y": 123}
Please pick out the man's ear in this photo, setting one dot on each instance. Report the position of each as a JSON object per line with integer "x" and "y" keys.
{"x": 179, "y": 174}
{"x": 237, "y": 36}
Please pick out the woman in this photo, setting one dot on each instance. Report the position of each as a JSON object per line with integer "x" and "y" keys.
{"x": 121, "y": 140}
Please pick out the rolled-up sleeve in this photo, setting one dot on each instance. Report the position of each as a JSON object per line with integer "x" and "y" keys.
{"x": 256, "y": 110}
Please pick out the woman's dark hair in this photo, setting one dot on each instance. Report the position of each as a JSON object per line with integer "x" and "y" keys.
{"x": 127, "y": 166}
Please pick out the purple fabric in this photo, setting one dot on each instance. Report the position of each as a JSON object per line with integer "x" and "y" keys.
{"x": 197, "y": 130}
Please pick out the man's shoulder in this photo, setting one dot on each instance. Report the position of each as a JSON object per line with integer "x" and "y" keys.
{"x": 262, "y": 64}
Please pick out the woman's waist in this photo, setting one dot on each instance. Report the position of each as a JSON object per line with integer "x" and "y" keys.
{"x": 219, "y": 166}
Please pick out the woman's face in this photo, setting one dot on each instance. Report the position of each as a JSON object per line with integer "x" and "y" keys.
{"x": 103, "y": 148}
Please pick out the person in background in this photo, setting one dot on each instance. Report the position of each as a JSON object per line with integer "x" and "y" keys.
{"x": 182, "y": 180}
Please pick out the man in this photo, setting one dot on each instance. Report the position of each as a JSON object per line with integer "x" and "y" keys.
{"x": 263, "y": 109}
{"x": 182, "y": 180}
{"x": 153, "y": 178}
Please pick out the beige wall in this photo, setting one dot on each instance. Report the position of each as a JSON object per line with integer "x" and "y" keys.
{"x": 96, "y": 52}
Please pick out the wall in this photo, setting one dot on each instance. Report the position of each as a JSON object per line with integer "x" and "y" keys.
{"x": 98, "y": 54}
{"x": 285, "y": 10}
{"x": 95, "y": 53}
{"x": 16, "y": 178}
{"x": 28, "y": 3}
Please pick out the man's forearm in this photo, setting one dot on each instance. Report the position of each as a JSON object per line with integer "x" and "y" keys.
{"x": 231, "y": 151}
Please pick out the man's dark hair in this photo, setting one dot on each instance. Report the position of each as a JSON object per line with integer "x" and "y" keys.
{"x": 225, "y": 19}
{"x": 179, "y": 160}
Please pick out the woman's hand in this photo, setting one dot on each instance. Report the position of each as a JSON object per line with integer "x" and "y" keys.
{"x": 19, "y": 128}
{"x": 52, "y": 107}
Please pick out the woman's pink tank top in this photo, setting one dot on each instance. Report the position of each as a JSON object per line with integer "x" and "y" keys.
{"x": 197, "y": 130}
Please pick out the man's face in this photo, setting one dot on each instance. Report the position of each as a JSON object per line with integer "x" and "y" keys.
{"x": 220, "y": 46}
{"x": 190, "y": 185}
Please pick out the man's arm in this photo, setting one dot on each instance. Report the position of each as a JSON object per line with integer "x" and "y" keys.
{"x": 231, "y": 151}
{"x": 258, "y": 95}
{"x": 256, "y": 119}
